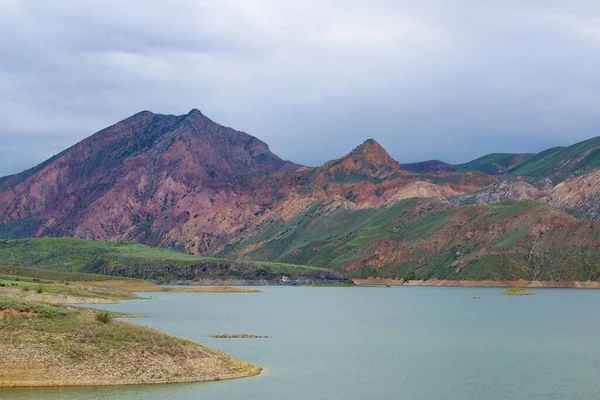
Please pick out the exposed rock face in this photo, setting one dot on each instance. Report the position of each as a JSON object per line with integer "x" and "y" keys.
{"x": 502, "y": 191}
{"x": 369, "y": 162}
{"x": 135, "y": 177}
{"x": 579, "y": 196}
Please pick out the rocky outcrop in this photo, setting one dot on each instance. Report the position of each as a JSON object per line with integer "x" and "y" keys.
{"x": 498, "y": 192}
{"x": 579, "y": 196}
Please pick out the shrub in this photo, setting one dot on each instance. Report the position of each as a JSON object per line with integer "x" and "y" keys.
{"x": 39, "y": 289}
{"x": 104, "y": 317}
{"x": 2, "y": 284}
{"x": 25, "y": 288}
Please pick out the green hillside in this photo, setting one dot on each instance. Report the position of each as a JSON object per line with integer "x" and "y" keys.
{"x": 425, "y": 238}
{"x": 139, "y": 261}
{"x": 497, "y": 163}
{"x": 560, "y": 163}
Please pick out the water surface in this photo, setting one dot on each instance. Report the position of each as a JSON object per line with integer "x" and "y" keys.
{"x": 413, "y": 343}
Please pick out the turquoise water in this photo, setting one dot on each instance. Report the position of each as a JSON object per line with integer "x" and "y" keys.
{"x": 413, "y": 343}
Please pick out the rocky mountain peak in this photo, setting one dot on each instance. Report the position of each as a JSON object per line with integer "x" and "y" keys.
{"x": 368, "y": 161}
{"x": 370, "y": 152}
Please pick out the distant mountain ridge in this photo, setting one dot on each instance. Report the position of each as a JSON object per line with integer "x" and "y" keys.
{"x": 187, "y": 183}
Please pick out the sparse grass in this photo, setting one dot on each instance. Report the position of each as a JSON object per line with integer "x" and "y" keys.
{"x": 30, "y": 274}
{"x": 59, "y": 345}
{"x": 8, "y": 303}
{"x": 62, "y": 290}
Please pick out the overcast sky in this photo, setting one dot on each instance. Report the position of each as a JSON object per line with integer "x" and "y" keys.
{"x": 428, "y": 79}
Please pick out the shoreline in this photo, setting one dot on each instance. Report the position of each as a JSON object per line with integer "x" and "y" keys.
{"x": 259, "y": 371}
{"x": 251, "y": 282}
{"x": 397, "y": 282}
{"x": 47, "y": 344}
{"x": 148, "y": 357}
{"x": 478, "y": 283}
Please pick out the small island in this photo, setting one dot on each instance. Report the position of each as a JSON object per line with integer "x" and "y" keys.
{"x": 516, "y": 291}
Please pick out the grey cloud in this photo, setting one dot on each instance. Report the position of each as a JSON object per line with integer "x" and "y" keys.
{"x": 433, "y": 79}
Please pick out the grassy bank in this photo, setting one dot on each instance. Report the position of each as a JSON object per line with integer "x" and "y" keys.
{"x": 46, "y": 343}
{"x": 86, "y": 258}
{"x": 60, "y": 292}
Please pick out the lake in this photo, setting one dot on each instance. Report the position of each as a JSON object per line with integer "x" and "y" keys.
{"x": 413, "y": 343}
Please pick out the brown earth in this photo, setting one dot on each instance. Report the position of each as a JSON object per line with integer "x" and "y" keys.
{"x": 28, "y": 361}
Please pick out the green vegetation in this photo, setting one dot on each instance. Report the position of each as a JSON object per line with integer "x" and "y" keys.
{"x": 422, "y": 239}
{"x": 47, "y": 310}
{"x": 55, "y": 345}
{"x": 516, "y": 291}
{"x": 104, "y": 317}
{"x": 82, "y": 259}
{"x": 76, "y": 291}
{"x": 561, "y": 163}
{"x": 496, "y": 163}
{"x": 31, "y": 274}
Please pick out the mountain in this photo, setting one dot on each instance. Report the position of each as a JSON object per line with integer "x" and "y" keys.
{"x": 431, "y": 239}
{"x": 497, "y": 163}
{"x": 493, "y": 164}
{"x": 430, "y": 166}
{"x": 124, "y": 176}
{"x": 561, "y": 163}
{"x": 579, "y": 196}
{"x": 367, "y": 162}
{"x": 189, "y": 184}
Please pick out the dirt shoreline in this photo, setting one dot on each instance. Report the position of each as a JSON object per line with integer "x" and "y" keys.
{"x": 479, "y": 283}
{"x": 45, "y": 343}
